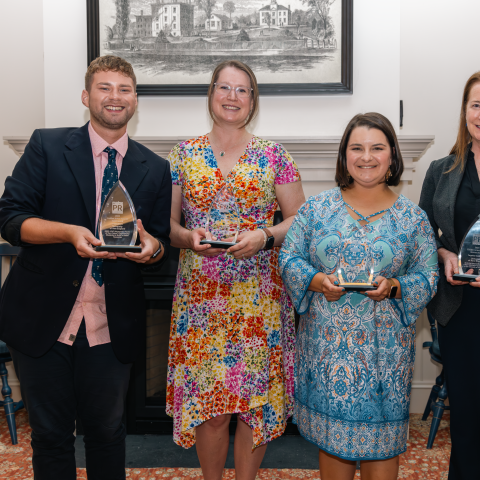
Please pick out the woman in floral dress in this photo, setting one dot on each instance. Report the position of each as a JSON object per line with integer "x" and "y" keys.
{"x": 232, "y": 329}
{"x": 356, "y": 350}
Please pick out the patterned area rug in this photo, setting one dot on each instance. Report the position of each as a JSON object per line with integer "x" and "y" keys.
{"x": 417, "y": 463}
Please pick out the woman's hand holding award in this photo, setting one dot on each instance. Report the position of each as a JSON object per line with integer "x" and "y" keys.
{"x": 223, "y": 220}
{"x": 355, "y": 264}
{"x": 469, "y": 256}
{"x": 117, "y": 222}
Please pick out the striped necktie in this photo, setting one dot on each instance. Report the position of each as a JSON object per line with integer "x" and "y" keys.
{"x": 110, "y": 178}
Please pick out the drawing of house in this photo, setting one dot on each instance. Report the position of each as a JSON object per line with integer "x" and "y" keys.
{"x": 279, "y": 15}
{"x": 218, "y": 22}
{"x": 175, "y": 17}
{"x": 143, "y": 25}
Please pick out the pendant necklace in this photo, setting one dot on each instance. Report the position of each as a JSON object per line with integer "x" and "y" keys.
{"x": 222, "y": 152}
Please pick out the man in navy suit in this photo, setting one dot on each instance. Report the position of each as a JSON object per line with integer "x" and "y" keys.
{"x": 74, "y": 318}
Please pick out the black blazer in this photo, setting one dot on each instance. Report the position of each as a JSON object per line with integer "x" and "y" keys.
{"x": 55, "y": 180}
{"x": 439, "y": 194}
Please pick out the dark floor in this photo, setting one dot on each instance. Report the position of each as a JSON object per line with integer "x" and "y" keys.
{"x": 150, "y": 451}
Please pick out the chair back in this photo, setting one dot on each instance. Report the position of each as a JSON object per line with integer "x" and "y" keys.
{"x": 3, "y": 349}
{"x": 433, "y": 346}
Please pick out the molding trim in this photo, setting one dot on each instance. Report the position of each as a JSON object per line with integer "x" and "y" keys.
{"x": 315, "y": 156}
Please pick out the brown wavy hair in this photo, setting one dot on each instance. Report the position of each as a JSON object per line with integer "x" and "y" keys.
{"x": 253, "y": 83}
{"x": 379, "y": 122}
{"x": 109, "y": 63}
{"x": 464, "y": 138}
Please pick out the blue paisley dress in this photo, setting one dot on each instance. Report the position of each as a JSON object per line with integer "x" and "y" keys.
{"x": 355, "y": 357}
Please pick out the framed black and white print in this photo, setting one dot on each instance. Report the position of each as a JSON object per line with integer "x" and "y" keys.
{"x": 295, "y": 47}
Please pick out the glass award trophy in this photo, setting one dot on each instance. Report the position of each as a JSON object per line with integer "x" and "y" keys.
{"x": 223, "y": 220}
{"x": 355, "y": 264}
{"x": 117, "y": 222}
{"x": 469, "y": 256}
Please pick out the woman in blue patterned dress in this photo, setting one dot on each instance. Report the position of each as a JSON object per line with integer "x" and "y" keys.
{"x": 356, "y": 350}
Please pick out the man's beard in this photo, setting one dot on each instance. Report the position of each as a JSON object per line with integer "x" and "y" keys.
{"x": 113, "y": 124}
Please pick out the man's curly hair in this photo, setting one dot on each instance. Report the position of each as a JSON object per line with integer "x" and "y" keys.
{"x": 109, "y": 63}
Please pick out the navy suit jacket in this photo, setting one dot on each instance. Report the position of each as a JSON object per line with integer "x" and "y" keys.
{"x": 55, "y": 180}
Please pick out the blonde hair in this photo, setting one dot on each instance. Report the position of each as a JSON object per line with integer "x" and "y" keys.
{"x": 253, "y": 83}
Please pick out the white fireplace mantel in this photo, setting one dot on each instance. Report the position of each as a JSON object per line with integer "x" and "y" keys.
{"x": 315, "y": 156}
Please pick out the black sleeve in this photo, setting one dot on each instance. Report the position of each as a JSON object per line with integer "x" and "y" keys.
{"x": 426, "y": 201}
{"x": 153, "y": 267}
{"x": 11, "y": 231}
{"x": 24, "y": 192}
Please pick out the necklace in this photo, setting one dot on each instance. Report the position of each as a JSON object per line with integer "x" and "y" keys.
{"x": 222, "y": 152}
{"x": 362, "y": 218}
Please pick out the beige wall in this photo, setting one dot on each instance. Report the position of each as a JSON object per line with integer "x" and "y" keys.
{"x": 22, "y": 75}
{"x": 438, "y": 52}
{"x": 22, "y": 88}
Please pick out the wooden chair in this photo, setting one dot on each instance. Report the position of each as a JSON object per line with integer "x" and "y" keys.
{"x": 8, "y": 404}
{"x": 438, "y": 395}
{"x": 8, "y": 252}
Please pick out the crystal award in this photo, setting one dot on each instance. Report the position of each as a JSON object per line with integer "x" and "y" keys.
{"x": 469, "y": 256}
{"x": 223, "y": 220}
{"x": 117, "y": 222}
{"x": 355, "y": 263}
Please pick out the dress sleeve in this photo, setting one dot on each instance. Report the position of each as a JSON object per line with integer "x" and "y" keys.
{"x": 296, "y": 271}
{"x": 419, "y": 283}
{"x": 287, "y": 170}
{"x": 175, "y": 160}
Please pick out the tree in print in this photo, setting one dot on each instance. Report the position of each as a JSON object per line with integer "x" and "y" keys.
{"x": 324, "y": 24}
{"x": 207, "y": 6}
{"x": 268, "y": 19}
{"x": 229, "y": 7}
{"x": 123, "y": 18}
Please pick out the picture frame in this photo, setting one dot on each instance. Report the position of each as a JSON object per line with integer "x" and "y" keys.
{"x": 344, "y": 55}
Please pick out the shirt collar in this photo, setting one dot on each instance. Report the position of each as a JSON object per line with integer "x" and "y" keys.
{"x": 99, "y": 144}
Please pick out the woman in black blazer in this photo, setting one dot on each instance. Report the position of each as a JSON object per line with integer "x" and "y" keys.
{"x": 451, "y": 198}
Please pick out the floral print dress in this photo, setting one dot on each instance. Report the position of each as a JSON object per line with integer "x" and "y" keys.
{"x": 232, "y": 329}
{"x": 355, "y": 357}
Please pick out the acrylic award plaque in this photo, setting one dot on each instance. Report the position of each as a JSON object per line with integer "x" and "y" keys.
{"x": 223, "y": 220}
{"x": 469, "y": 256}
{"x": 117, "y": 222}
{"x": 355, "y": 264}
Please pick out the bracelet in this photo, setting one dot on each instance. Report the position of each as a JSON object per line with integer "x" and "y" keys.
{"x": 393, "y": 288}
{"x": 160, "y": 245}
{"x": 265, "y": 238}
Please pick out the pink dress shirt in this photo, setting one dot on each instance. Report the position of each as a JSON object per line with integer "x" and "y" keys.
{"x": 90, "y": 303}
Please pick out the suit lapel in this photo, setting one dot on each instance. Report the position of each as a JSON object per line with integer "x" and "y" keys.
{"x": 134, "y": 168}
{"x": 79, "y": 157}
{"x": 454, "y": 181}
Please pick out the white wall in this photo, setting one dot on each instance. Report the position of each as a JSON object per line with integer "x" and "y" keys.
{"x": 22, "y": 88}
{"x": 22, "y": 75}
{"x": 439, "y": 52}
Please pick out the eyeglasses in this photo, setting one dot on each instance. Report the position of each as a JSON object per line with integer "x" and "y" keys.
{"x": 225, "y": 89}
